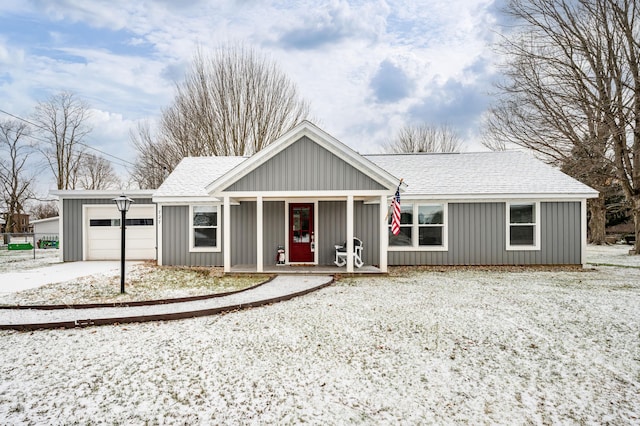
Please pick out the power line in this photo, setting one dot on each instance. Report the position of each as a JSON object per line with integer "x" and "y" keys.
{"x": 122, "y": 160}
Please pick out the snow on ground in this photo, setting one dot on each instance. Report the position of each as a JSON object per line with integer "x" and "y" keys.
{"x": 538, "y": 347}
{"x": 617, "y": 254}
{"x": 17, "y": 260}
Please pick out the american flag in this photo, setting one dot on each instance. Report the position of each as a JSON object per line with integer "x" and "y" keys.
{"x": 395, "y": 214}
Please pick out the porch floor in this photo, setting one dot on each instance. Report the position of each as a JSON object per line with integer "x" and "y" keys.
{"x": 304, "y": 269}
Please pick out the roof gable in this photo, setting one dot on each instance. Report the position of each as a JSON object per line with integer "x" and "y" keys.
{"x": 304, "y": 133}
{"x": 305, "y": 166}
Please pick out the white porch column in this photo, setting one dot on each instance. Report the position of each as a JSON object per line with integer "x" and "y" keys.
{"x": 259, "y": 237}
{"x": 349, "y": 234}
{"x": 583, "y": 232}
{"x": 384, "y": 234}
{"x": 159, "y": 234}
{"x": 226, "y": 234}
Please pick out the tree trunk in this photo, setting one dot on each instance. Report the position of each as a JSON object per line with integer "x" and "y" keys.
{"x": 597, "y": 220}
{"x": 636, "y": 222}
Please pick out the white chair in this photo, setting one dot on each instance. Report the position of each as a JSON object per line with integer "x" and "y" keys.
{"x": 341, "y": 253}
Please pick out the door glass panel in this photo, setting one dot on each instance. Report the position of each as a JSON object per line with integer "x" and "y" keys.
{"x": 301, "y": 231}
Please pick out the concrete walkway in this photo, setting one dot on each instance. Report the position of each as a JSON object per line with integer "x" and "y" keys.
{"x": 11, "y": 282}
{"x": 279, "y": 289}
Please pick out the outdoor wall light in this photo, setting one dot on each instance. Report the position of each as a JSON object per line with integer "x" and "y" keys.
{"x": 123, "y": 202}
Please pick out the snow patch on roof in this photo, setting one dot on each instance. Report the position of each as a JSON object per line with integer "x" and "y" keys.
{"x": 193, "y": 174}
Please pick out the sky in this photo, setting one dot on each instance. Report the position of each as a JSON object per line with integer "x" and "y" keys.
{"x": 367, "y": 68}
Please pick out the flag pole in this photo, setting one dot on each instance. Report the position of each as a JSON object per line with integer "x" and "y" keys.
{"x": 389, "y": 209}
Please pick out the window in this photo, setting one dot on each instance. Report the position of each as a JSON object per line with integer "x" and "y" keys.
{"x": 523, "y": 230}
{"x": 204, "y": 228}
{"x": 116, "y": 222}
{"x": 104, "y": 222}
{"x": 139, "y": 222}
{"x": 430, "y": 225}
{"x": 422, "y": 227}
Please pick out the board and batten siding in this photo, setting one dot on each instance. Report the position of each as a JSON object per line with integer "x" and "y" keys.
{"x": 305, "y": 166}
{"x": 332, "y": 230}
{"x": 273, "y": 230}
{"x": 175, "y": 240}
{"x": 244, "y": 233}
{"x": 72, "y": 224}
{"x": 477, "y": 236}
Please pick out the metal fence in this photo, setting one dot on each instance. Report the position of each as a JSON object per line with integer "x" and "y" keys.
{"x": 28, "y": 241}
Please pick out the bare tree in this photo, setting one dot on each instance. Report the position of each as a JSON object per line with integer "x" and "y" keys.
{"x": 572, "y": 93}
{"x": 231, "y": 102}
{"x": 96, "y": 173}
{"x": 425, "y": 138}
{"x": 154, "y": 161}
{"x": 16, "y": 185}
{"x": 44, "y": 210}
{"x": 62, "y": 122}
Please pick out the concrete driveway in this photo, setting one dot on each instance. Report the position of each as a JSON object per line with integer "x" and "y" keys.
{"x": 11, "y": 282}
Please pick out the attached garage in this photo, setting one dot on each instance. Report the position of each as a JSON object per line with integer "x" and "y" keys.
{"x": 102, "y": 232}
{"x": 90, "y": 225}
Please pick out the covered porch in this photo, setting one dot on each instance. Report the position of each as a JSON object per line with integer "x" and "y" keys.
{"x": 298, "y": 234}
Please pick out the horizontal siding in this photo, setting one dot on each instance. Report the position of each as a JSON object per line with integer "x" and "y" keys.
{"x": 305, "y": 165}
{"x": 72, "y": 223}
{"x": 175, "y": 240}
{"x": 477, "y": 236}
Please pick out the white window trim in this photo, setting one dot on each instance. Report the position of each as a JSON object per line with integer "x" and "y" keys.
{"x": 536, "y": 227}
{"x": 415, "y": 228}
{"x": 192, "y": 248}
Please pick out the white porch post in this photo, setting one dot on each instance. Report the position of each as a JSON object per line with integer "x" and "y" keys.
{"x": 226, "y": 232}
{"x": 583, "y": 232}
{"x": 384, "y": 234}
{"x": 349, "y": 233}
{"x": 259, "y": 237}
{"x": 159, "y": 234}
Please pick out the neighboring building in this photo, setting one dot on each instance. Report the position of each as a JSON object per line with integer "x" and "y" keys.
{"x": 307, "y": 192}
{"x": 46, "y": 229}
{"x": 20, "y": 221}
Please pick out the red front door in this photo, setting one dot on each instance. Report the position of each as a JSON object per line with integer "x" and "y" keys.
{"x": 300, "y": 232}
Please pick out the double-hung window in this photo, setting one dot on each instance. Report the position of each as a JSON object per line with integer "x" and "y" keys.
{"x": 422, "y": 227}
{"x": 204, "y": 228}
{"x": 523, "y": 226}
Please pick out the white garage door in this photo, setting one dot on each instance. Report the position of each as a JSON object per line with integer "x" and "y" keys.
{"x": 102, "y": 232}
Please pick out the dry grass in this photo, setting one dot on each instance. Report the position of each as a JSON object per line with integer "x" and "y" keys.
{"x": 145, "y": 282}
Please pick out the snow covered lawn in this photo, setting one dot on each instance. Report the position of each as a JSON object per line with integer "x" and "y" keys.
{"x": 12, "y": 260}
{"x": 555, "y": 347}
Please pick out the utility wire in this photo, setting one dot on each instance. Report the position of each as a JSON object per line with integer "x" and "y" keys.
{"x": 122, "y": 160}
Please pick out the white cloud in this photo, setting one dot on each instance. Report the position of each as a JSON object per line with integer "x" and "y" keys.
{"x": 432, "y": 46}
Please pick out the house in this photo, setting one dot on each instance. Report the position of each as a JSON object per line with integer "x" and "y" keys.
{"x": 307, "y": 192}
{"x": 46, "y": 229}
{"x": 17, "y": 223}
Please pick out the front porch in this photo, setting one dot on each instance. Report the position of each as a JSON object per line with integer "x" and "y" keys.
{"x": 304, "y": 270}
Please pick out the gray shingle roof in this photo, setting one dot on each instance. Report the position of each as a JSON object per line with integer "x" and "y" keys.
{"x": 478, "y": 174}
{"x": 193, "y": 174}
{"x": 462, "y": 174}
